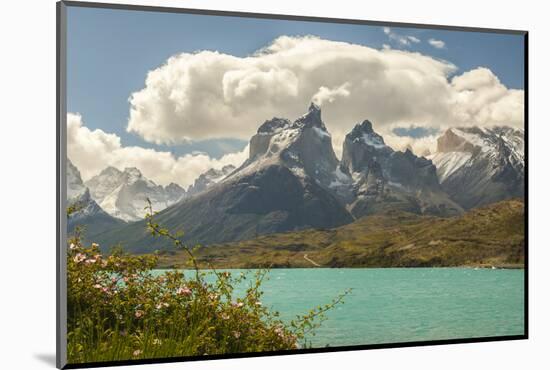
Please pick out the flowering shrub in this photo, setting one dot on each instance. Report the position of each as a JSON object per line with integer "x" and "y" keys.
{"x": 119, "y": 309}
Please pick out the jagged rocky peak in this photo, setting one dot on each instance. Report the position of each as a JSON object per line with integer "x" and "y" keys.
{"x": 304, "y": 146}
{"x": 294, "y": 141}
{"x": 312, "y": 150}
{"x": 86, "y": 211}
{"x": 75, "y": 186}
{"x": 273, "y": 125}
{"x": 124, "y": 194}
{"x": 209, "y": 178}
{"x": 384, "y": 178}
{"x": 174, "y": 191}
{"x": 312, "y": 117}
{"x": 173, "y": 186}
{"x": 361, "y": 146}
{"x": 259, "y": 143}
{"x": 478, "y": 166}
{"x": 363, "y": 132}
{"x": 132, "y": 174}
{"x": 364, "y": 127}
{"x": 451, "y": 142}
{"x": 278, "y": 134}
{"x": 411, "y": 171}
{"x": 110, "y": 171}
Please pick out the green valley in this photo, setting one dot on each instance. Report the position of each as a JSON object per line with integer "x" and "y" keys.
{"x": 484, "y": 237}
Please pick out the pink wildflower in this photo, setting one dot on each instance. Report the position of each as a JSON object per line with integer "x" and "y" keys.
{"x": 279, "y": 331}
{"x": 185, "y": 291}
{"x": 137, "y": 352}
{"x": 139, "y": 313}
{"x": 79, "y": 257}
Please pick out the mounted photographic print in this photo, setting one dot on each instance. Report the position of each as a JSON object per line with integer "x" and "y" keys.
{"x": 235, "y": 184}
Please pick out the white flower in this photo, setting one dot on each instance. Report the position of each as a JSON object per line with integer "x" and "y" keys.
{"x": 79, "y": 257}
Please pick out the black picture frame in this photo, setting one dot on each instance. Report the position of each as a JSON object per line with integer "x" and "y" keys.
{"x": 61, "y": 155}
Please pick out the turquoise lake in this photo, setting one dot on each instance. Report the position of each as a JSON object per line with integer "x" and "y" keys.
{"x": 401, "y": 304}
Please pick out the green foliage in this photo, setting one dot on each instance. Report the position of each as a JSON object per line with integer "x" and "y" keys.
{"x": 119, "y": 309}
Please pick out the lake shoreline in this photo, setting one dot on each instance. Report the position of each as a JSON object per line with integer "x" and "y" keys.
{"x": 472, "y": 267}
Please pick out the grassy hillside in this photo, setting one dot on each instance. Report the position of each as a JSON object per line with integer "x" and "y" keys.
{"x": 490, "y": 236}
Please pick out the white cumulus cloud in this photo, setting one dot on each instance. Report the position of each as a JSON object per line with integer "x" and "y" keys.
{"x": 438, "y": 44}
{"x": 400, "y": 39}
{"x": 326, "y": 94}
{"x": 207, "y": 94}
{"x": 93, "y": 150}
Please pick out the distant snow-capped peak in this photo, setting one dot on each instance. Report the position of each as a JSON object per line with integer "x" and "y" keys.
{"x": 478, "y": 166}
{"x": 75, "y": 186}
{"x": 209, "y": 178}
{"x": 124, "y": 194}
{"x": 458, "y": 146}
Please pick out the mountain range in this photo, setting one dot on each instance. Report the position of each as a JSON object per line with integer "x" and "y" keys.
{"x": 478, "y": 166}
{"x": 292, "y": 180}
{"x": 124, "y": 194}
{"x": 209, "y": 178}
{"x": 87, "y": 212}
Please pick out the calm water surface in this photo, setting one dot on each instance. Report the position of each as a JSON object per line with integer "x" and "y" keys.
{"x": 401, "y": 305}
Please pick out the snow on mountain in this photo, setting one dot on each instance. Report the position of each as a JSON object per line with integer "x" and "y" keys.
{"x": 448, "y": 163}
{"x": 87, "y": 213}
{"x": 292, "y": 180}
{"x": 209, "y": 178}
{"x": 284, "y": 185}
{"x": 304, "y": 146}
{"x": 124, "y": 194}
{"x": 478, "y": 166}
{"x": 75, "y": 186}
{"x": 386, "y": 179}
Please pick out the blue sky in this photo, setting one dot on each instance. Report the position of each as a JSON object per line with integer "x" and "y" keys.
{"x": 110, "y": 52}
